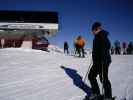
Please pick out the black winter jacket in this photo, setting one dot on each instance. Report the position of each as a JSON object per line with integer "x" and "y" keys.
{"x": 101, "y": 48}
{"x": 66, "y": 45}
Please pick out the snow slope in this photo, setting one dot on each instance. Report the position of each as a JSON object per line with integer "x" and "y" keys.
{"x": 53, "y": 48}
{"x": 37, "y": 75}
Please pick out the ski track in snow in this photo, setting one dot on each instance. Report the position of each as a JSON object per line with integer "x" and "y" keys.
{"x": 37, "y": 75}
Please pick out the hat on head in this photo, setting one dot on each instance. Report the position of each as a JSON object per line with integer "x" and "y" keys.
{"x": 96, "y": 25}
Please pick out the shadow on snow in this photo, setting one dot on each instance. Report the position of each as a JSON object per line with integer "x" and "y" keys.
{"x": 77, "y": 79}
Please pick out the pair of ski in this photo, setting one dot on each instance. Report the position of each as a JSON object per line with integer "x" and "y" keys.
{"x": 101, "y": 97}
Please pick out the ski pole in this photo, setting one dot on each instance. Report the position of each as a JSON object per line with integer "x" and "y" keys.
{"x": 87, "y": 71}
{"x": 102, "y": 81}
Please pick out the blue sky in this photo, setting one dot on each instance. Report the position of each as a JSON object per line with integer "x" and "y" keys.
{"x": 77, "y": 16}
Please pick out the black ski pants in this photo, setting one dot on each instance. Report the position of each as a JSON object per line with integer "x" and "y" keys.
{"x": 81, "y": 51}
{"x": 101, "y": 70}
{"x": 66, "y": 50}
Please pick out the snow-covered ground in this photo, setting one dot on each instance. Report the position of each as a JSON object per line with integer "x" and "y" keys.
{"x": 38, "y": 75}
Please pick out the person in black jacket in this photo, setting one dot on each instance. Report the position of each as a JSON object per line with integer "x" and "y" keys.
{"x": 130, "y": 48}
{"x": 66, "y": 47}
{"x": 117, "y": 47}
{"x": 101, "y": 61}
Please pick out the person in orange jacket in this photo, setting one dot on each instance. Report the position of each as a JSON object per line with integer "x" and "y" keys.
{"x": 80, "y": 43}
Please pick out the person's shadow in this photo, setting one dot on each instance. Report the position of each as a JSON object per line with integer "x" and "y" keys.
{"x": 77, "y": 80}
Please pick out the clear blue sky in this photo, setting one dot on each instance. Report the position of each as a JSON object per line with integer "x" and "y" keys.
{"x": 77, "y": 16}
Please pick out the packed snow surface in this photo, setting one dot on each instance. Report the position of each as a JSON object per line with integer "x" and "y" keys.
{"x": 27, "y": 74}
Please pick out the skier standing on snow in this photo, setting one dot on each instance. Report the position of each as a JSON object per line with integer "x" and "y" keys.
{"x": 101, "y": 61}
{"x": 80, "y": 43}
{"x": 117, "y": 47}
{"x": 124, "y": 46}
{"x": 130, "y": 48}
{"x": 66, "y": 47}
